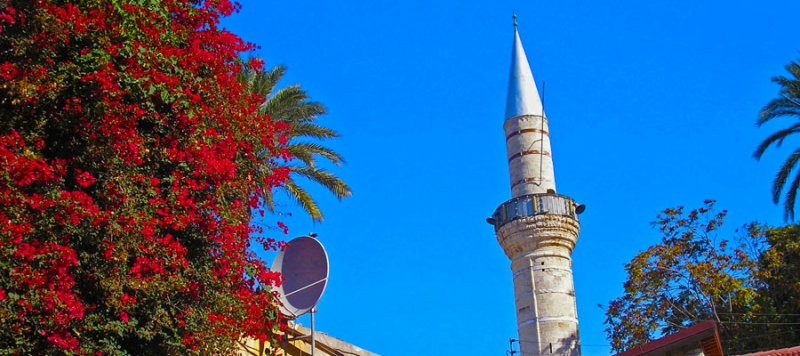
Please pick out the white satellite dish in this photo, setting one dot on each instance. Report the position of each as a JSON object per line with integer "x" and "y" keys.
{"x": 304, "y": 266}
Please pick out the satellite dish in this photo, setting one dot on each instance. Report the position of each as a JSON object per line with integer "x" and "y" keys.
{"x": 304, "y": 266}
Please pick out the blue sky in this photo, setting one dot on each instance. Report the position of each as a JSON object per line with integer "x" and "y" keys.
{"x": 650, "y": 104}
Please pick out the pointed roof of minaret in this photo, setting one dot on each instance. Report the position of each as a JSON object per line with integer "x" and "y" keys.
{"x": 523, "y": 97}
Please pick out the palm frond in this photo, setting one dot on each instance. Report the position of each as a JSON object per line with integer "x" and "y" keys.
{"x": 783, "y": 175}
{"x": 307, "y": 129}
{"x": 794, "y": 69}
{"x": 303, "y": 156}
{"x": 786, "y": 104}
{"x": 793, "y": 100}
{"x": 788, "y": 85}
{"x": 282, "y": 100}
{"x": 307, "y": 111}
{"x": 776, "y": 138}
{"x": 780, "y": 107}
{"x": 302, "y": 198}
{"x": 268, "y": 202}
{"x": 339, "y": 188}
{"x": 789, "y": 102}
{"x": 263, "y": 84}
{"x": 791, "y": 195}
{"x": 292, "y": 105}
{"x": 307, "y": 151}
{"x": 269, "y": 80}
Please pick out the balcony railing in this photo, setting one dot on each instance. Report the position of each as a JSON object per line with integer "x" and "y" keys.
{"x": 531, "y": 205}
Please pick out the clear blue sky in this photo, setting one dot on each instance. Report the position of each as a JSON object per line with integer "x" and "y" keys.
{"x": 651, "y": 105}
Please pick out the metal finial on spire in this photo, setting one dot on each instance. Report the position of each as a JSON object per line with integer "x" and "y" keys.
{"x": 514, "y": 16}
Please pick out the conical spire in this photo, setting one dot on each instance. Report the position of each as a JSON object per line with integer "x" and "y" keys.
{"x": 527, "y": 134}
{"x": 523, "y": 97}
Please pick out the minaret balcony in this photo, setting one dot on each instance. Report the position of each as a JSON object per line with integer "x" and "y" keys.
{"x": 533, "y": 205}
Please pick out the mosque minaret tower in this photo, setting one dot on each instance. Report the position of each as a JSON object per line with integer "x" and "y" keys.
{"x": 537, "y": 228}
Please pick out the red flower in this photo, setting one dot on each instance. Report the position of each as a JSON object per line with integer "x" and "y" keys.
{"x": 159, "y": 117}
{"x": 109, "y": 251}
{"x": 84, "y": 179}
{"x": 125, "y": 299}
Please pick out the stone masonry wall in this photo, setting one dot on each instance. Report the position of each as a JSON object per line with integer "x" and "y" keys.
{"x": 530, "y": 162}
{"x": 539, "y": 248}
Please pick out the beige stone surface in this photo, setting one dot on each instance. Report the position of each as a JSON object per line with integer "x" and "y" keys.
{"x": 528, "y": 150}
{"x": 296, "y": 342}
{"x": 539, "y": 248}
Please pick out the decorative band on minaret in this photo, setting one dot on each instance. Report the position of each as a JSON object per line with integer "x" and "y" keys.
{"x": 537, "y": 228}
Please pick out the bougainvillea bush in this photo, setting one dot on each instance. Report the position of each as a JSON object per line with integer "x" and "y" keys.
{"x": 131, "y": 160}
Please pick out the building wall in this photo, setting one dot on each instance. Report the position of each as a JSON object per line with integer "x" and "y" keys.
{"x": 298, "y": 343}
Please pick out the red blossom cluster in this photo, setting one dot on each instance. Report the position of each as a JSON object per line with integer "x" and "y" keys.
{"x": 132, "y": 156}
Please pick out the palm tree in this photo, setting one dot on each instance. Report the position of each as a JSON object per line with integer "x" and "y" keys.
{"x": 292, "y": 105}
{"x": 787, "y": 104}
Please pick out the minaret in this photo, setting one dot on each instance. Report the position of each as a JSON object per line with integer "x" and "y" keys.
{"x": 537, "y": 228}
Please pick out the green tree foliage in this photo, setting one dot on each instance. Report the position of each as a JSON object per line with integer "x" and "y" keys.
{"x": 690, "y": 277}
{"x": 292, "y": 105}
{"x": 778, "y": 295}
{"x": 750, "y": 287}
{"x": 786, "y": 104}
{"x": 131, "y": 157}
